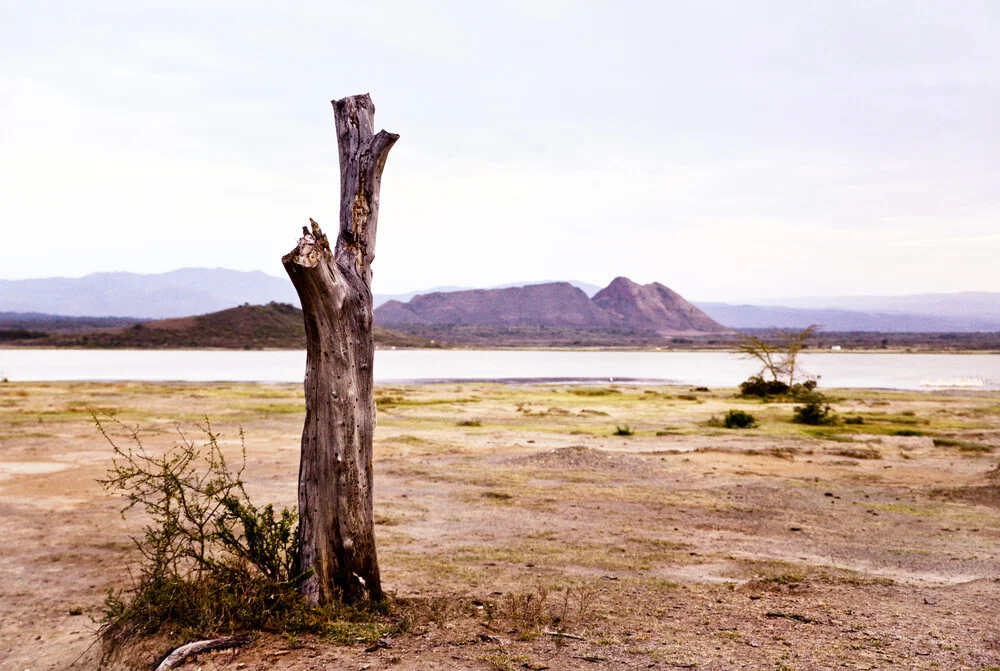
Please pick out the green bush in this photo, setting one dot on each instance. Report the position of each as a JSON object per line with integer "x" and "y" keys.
{"x": 854, "y": 420}
{"x": 757, "y": 386}
{"x": 815, "y": 411}
{"x": 737, "y": 419}
{"x": 803, "y": 391}
{"x": 624, "y": 430}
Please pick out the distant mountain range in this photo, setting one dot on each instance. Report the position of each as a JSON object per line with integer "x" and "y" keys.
{"x": 773, "y": 316}
{"x": 193, "y": 291}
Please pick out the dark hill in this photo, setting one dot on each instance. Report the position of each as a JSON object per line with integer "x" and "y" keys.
{"x": 37, "y": 321}
{"x": 653, "y": 307}
{"x": 274, "y": 326}
{"x": 555, "y": 304}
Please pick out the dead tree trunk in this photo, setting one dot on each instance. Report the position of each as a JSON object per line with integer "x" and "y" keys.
{"x": 336, "y": 521}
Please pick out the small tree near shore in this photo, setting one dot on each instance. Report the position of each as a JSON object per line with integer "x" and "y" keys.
{"x": 778, "y": 360}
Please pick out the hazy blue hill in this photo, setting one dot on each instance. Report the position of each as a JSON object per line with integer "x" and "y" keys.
{"x": 774, "y": 316}
{"x": 982, "y": 306}
{"x": 179, "y": 293}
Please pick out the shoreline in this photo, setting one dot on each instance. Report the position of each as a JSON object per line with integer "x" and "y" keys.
{"x": 512, "y": 348}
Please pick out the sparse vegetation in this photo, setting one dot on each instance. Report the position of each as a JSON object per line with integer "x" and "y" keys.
{"x": 624, "y": 430}
{"x": 211, "y": 561}
{"x": 687, "y": 541}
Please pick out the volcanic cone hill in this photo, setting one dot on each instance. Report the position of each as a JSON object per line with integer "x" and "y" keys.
{"x": 623, "y": 306}
{"x": 653, "y": 307}
{"x": 552, "y": 304}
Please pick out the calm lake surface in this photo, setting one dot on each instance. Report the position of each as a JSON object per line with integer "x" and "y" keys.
{"x": 713, "y": 369}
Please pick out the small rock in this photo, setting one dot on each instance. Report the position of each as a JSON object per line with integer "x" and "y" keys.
{"x": 381, "y": 644}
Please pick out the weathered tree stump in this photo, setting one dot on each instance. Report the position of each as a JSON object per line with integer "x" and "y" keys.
{"x": 336, "y": 520}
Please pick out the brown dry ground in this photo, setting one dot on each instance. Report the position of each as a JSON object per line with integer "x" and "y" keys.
{"x": 504, "y": 511}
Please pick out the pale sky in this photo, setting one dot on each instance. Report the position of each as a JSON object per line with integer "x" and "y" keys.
{"x": 730, "y": 150}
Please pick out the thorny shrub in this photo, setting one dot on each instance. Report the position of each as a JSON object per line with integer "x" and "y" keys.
{"x": 211, "y": 561}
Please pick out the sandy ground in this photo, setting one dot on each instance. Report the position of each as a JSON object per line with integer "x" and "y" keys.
{"x": 506, "y": 511}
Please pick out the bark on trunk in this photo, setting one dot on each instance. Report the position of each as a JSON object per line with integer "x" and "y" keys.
{"x": 336, "y": 521}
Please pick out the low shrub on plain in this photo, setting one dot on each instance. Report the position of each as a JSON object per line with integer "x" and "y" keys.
{"x": 737, "y": 419}
{"x": 815, "y": 411}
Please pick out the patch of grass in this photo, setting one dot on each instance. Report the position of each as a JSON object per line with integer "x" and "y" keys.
{"x": 634, "y": 554}
{"x": 412, "y": 440}
{"x": 787, "y": 453}
{"x": 792, "y": 578}
{"x": 908, "y": 432}
{"x": 497, "y": 496}
{"x": 975, "y": 447}
{"x": 591, "y": 391}
{"x": 963, "y": 445}
{"x": 469, "y": 422}
{"x": 388, "y": 401}
{"x": 502, "y": 661}
{"x": 593, "y": 413}
{"x": 848, "y": 577}
{"x": 830, "y": 434}
{"x": 278, "y": 408}
{"x": 623, "y": 430}
{"x": 865, "y": 452}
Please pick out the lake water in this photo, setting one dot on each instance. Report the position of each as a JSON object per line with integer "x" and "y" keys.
{"x": 712, "y": 369}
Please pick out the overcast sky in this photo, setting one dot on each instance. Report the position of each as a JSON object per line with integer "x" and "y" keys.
{"x": 731, "y": 150}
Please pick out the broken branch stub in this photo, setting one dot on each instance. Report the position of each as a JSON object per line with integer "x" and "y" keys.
{"x": 336, "y": 520}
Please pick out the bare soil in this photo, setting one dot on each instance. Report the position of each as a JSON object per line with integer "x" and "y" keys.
{"x": 518, "y": 532}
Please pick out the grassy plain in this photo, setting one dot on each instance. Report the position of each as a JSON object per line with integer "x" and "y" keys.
{"x": 614, "y": 515}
